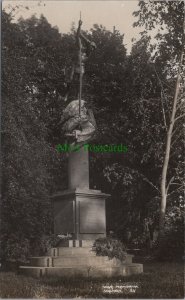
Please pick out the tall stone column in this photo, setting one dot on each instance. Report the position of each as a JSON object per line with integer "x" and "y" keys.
{"x": 78, "y": 169}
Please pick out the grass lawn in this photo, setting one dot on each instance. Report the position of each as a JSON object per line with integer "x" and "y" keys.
{"x": 159, "y": 280}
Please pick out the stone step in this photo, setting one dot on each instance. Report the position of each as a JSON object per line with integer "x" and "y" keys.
{"x": 63, "y": 251}
{"x": 71, "y": 260}
{"x": 76, "y": 243}
{"x": 32, "y": 271}
{"x": 41, "y": 261}
{"x": 84, "y": 271}
{"x": 86, "y": 260}
{"x": 128, "y": 258}
{"x": 89, "y": 261}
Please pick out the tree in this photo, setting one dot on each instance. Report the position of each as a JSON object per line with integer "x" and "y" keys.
{"x": 26, "y": 156}
{"x": 170, "y": 59}
{"x": 173, "y": 119}
{"x": 116, "y": 90}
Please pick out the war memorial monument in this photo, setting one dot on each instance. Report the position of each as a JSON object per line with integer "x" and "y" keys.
{"x": 79, "y": 211}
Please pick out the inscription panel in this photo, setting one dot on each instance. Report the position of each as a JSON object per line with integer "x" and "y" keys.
{"x": 63, "y": 217}
{"x": 92, "y": 216}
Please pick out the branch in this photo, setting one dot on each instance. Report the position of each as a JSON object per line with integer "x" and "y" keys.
{"x": 179, "y": 117}
{"x": 170, "y": 182}
{"x": 175, "y": 190}
{"x": 152, "y": 137}
{"x": 162, "y": 95}
{"x": 176, "y": 139}
{"x": 147, "y": 180}
{"x": 175, "y": 183}
{"x": 172, "y": 153}
{"x": 174, "y": 132}
{"x": 181, "y": 103}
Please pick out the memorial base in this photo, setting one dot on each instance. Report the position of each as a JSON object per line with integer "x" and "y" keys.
{"x": 80, "y": 213}
{"x": 77, "y": 258}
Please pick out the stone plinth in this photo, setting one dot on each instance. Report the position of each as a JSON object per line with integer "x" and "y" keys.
{"x": 79, "y": 260}
{"x": 81, "y": 213}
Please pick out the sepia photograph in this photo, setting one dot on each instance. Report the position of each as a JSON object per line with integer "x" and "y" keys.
{"x": 92, "y": 149}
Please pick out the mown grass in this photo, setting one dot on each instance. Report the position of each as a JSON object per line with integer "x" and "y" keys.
{"x": 159, "y": 280}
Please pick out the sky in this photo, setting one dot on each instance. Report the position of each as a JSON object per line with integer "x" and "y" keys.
{"x": 63, "y": 13}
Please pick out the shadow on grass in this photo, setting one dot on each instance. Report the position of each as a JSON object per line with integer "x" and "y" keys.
{"x": 159, "y": 280}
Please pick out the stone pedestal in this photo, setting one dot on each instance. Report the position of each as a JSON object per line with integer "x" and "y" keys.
{"x": 80, "y": 211}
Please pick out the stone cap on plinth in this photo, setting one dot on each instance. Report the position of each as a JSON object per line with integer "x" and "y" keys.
{"x": 81, "y": 192}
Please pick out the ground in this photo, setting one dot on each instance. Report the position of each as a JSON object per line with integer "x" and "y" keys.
{"x": 159, "y": 280}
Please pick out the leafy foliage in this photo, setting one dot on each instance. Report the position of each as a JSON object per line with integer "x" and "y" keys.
{"x": 25, "y": 205}
{"x": 171, "y": 247}
{"x": 110, "y": 247}
{"x": 168, "y": 57}
{"x": 168, "y": 17}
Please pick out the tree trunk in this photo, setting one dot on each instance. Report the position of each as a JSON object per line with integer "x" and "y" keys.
{"x": 167, "y": 150}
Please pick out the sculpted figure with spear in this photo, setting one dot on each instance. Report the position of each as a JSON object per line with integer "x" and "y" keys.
{"x": 78, "y": 121}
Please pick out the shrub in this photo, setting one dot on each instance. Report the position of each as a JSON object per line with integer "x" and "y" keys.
{"x": 110, "y": 247}
{"x": 171, "y": 245}
{"x": 50, "y": 241}
{"x": 17, "y": 250}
